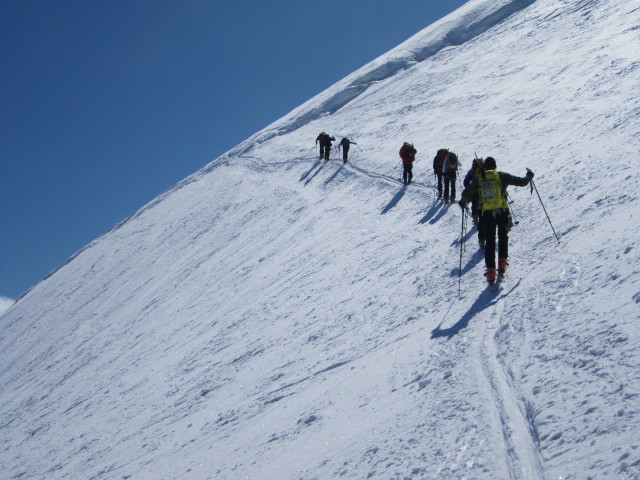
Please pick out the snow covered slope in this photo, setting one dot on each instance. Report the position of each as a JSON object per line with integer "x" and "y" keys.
{"x": 277, "y": 317}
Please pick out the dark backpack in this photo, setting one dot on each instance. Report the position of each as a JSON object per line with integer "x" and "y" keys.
{"x": 452, "y": 162}
{"x": 438, "y": 161}
{"x": 408, "y": 151}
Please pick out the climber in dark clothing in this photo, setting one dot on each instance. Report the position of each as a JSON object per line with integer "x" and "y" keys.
{"x": 438, "y": 165}
{"x": 408, "y": 156}
{"x": 449, "y": 175}
{"x": 345, "y": 143}
{"x": 325, "y": 144}
{"x": 476, "y": 210}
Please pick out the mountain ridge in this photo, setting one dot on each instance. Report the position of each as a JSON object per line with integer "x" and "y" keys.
{"x": 464, "y": 24}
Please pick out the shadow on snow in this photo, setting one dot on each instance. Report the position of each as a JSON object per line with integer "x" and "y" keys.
{"x": 475, "y": 259}
{"x": 334, "y": 175}
{"x": 319, "y": 163}
{"x": 486, "y": 299}
{"x": 467, "y": 237}
{"x": 394, "y": 201}
{"x": 436, "y": 212}
{"x": 431, "y": 213}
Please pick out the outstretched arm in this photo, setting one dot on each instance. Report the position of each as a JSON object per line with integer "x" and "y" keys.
{"x": 508, "y": 179}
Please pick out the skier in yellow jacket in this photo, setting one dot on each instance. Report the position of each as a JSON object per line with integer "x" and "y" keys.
{"x": 491, "y": 187}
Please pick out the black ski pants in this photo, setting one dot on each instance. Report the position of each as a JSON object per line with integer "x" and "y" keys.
{"x": 493, "y": 220}
{"x": 345, "y": 153}
{"x": 327, "y": 151}
{"x": 439, "y": 175}
{"x": 449, "y": 185}
{"x": 407, "y": 172}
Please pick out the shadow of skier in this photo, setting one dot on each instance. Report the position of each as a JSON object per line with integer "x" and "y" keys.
{"x": 322, "y": 164}
{"x": 431, "y": 213}
{"x": 475, "y": 259}
{"x": 467, "y": 237}
{"x": 308, "y": 172}
{"x": 334, "y": 175}
{"x": 441, "y": 213}
{"x": 394, "y": 201}
{"x": 486, "y": 299}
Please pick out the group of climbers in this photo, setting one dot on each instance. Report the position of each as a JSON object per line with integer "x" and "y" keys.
{"x": 326, "y": 141}
{"x": 485, "y": 188}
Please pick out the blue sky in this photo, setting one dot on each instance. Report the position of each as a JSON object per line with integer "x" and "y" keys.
{"x": 106, "y": 104}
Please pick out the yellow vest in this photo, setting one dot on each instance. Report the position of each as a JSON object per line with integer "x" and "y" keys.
{"x": 490, "y": 191}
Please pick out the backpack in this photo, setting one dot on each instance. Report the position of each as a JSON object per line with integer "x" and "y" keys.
{"x": 452, "y": 162}
{"x": 408, "y": 151}
{"x": 438, "y": 161}
{"x": 490, "y": 191}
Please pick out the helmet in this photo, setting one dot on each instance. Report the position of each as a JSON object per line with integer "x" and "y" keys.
{"x": 490, "y": 163}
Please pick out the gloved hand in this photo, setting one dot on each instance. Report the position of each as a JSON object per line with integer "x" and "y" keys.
{"x": 463, "y": 204}
{"x": 529, "y": 174}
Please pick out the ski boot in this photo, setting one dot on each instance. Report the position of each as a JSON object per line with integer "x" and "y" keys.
{"x": 491, "y": 275}
{"x": 502, "y": 266}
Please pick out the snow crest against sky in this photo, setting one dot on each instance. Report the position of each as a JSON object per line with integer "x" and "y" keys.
{"x": 104, "y": 105}
{"x": 5, "y": 303}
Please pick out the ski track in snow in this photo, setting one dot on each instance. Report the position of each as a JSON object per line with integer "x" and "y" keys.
{"x": 523, "y": 458}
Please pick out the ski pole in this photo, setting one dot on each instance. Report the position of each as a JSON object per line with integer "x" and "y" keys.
{"x": 464, "y": 221}
{"x": 435, "y": 186}
{"x": 513, "y": 214}
{"x": 460, "y": 186}
{"x": 533, "y": 187}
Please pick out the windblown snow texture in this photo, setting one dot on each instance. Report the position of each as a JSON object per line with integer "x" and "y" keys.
{"x": 274, "y": 316}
